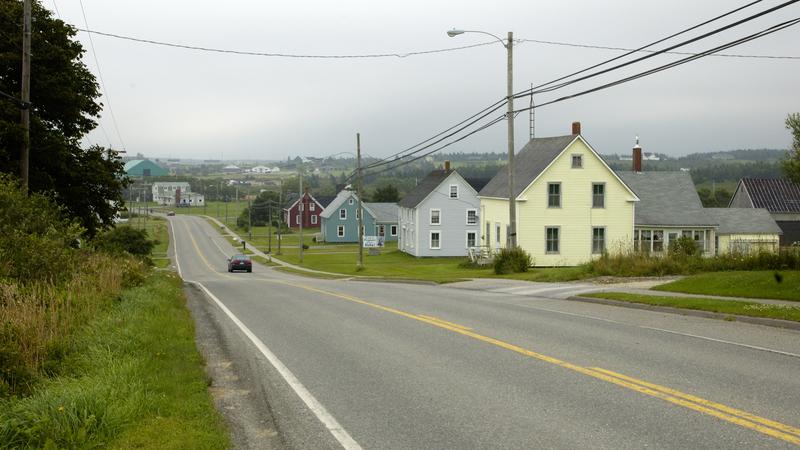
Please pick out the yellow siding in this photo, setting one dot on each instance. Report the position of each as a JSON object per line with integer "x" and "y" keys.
{"x": 752, "y": 242}
{"x": 575, "y": 218}
{"x": 494, "y": 211}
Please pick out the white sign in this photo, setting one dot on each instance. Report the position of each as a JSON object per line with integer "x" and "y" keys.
{"x": 373, "y": 241}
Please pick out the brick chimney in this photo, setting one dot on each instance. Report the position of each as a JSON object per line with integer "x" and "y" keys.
{"x": 576, "y": 128}
{"x": 447, "y": 165}
{"x": 637, "y": 156}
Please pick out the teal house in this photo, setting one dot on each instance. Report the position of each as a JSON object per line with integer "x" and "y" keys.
{"x": 140, "y": 168}
{"x": 340, "y": 219}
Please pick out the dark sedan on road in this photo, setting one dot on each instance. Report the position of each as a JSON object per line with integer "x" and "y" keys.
{"x": 240, "y": 262}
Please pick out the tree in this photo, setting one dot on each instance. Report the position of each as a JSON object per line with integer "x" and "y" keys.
{"x": 386, "y": 194}
{"x": 791, "y": 165}
{"x": 87, "y": 183}
{"x": 262, "y": 206}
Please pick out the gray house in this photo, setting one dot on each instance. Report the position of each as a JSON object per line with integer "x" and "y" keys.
{"x": 439, "y": 217}
{"x": 340, "y": 219}
{"x": 781, "y": 197}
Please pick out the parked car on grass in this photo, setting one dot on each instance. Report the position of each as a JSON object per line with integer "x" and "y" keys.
{"x": 240, "y": 262}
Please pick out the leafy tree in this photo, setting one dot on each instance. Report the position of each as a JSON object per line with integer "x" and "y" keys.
{"x": 86, "y": 183}
{"x": 261, "y": 206}
{"x": 386, "y": 194}
{"x": 126, "y": 239}
{"x": 791, "y": 165}
{"x": 718, "y": 199}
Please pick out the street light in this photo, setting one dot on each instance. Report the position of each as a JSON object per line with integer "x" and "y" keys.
{"x": 512, "y": 213}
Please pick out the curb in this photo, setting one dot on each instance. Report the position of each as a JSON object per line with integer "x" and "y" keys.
{"x": 777, "y": 323}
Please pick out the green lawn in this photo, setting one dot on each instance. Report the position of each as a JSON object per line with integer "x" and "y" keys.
{"x": 709, "y": 304}
{"x": 212, "y": 209}
{"x": 748, "y": 284}
{"x": 133, "y": 378}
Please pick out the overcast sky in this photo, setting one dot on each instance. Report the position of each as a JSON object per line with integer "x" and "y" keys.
{"x": 178, "y": 103}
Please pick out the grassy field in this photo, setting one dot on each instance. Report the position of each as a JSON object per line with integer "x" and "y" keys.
{"x": 748, "y": 284}
{"x": 156, "y": 228}
{"x": 132, "y": 379}
{"x": 709, "y": 304}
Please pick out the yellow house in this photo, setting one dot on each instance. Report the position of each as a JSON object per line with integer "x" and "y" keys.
{"x": 571, "y": 207}
{"x": 745, "y": 230}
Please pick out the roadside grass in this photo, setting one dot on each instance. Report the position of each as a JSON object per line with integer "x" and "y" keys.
{"x": 741, "y": 308}
{"x": 156, "y": 228}
{"x": 263, "y": 261}
{"x": 307, "y": 274}
{"x": 748, "y": 284}
{"x": 131, "y": 379}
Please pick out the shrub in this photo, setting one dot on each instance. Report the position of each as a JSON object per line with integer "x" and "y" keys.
{"x": 512, "y": 260}
{"x": 125, "y": 239}
{"x": 683, "y": 246}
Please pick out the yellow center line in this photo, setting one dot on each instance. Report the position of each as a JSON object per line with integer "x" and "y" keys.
{"x": 199, "y": 252}
{"x": 744, "y": 419}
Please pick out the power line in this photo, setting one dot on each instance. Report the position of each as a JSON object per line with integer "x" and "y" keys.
{"x": 277, "y": 54}
{"x": 765, "y": 32}
{"x": 102, "y": 83}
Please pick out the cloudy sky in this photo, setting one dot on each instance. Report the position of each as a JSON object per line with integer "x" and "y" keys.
{"x": 171, "y": 102}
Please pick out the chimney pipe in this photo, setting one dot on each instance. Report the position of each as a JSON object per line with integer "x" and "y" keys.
{"x": 447, "y": 165}
{"x": 637, "y": 156}
{"x": 576, "y": 128}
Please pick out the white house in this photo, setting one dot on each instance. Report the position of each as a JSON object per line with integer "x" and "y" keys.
{"x": 261, "y": 169}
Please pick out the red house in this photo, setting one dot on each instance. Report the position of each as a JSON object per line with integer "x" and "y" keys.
{"x": 311, "y": 210}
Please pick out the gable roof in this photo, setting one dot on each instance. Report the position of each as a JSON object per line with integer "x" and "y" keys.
{"x": 779, "y": 195}
{"x": 298, "y": 201}
{"x": 667, "y": 198}
{"x": 529, "y": 163}
{"x": 340, "y": 198}
{"x": 383, "y": 212}
{"x": 424, "y": 188}
{"x": 744, "y": 220}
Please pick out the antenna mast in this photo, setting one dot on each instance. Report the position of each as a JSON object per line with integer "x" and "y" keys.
{"x": 532, "y": 116}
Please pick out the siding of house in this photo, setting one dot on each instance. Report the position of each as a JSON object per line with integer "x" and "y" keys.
{"x": 330, "y": 224}
{"x": 747, "y": 243}
{"x": 494, "y": 211}
{"x": 452, "y": 217}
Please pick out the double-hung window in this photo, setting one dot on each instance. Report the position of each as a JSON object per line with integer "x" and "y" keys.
{"x": 436, "y": 218}
{"x": 453, "y": 191}
{"x": 598, "y": 240}
{"x": 577, "y": 161}
{"x": 472, "y": 217}
{"x": 551, "y": 239}
{"x": 342, "y": 214}
{"x": 435, "y": 240}
{"x": 598, "y": 195}
{"x": 471, "y": 239}
{"x": 340, "y": 231}
{"x": 553, "y": 195}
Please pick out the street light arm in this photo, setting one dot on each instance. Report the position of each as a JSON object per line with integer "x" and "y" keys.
{"x": 454, "y": 33}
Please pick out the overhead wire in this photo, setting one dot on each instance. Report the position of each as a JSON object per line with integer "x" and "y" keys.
{"x": 102, "y": 83}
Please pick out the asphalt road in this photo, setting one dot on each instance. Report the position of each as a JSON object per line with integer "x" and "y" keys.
{"x": 385, "y": 365}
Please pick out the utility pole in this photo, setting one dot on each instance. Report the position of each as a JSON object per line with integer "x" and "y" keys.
{"x": 300, "y": 173}
{"x": 25, "y": 119}
{"x": 280, "y": 216}
{"x": 270, "y": 229}
{"x": 512, "y": 210}
{"x": 359, "y": 210}
{"x": 249, "y": 221}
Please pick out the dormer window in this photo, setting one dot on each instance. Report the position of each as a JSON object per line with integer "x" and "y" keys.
{"x": 577, "y": 161}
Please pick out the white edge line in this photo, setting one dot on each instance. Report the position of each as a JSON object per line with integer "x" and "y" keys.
{"x": 175, "y": 248}
{"x": 338, "y": 432}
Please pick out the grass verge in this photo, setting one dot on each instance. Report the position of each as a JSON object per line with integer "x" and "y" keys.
{"x": 739, "y": 308}
{"x": 305, "y": 273}
{"x": 753, "y": 284}
{"x": 132, "y": 379}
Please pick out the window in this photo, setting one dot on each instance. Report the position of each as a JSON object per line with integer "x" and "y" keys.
{"x": 577, "y": 161}
{"x": 647, "y": 239}
{"x": 358, "y": 213}
{"x": 497, "y": 234}
{"x": 453, "y": 191}
{"x": 551, "y": 239}
{"x": 658, "y": 240}
{"x": 350, "y": 202}
{"x": 699, "y": 240}
{"x": 381, "y": 230}
{"x": 598, "y": 240}
{"x": 435, "y": 242}
{"x": 313, "y": 220}
{"x": 312, "y": 206}
{"x": 598, "y": 195}
{"x": 340, "y": 231}
{"x": 342, "y": 214}
{"x": 471, "y": 239}
{"x": 472, "y": 216}
{"x": 297, "y": 219}
{"x": 636, "y": 240}
{"x": 393, "y": 230}
{"x": 554, "y": 195}
{"x": 436, "y": 217}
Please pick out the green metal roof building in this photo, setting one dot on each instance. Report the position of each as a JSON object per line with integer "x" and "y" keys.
{"x": 139, "y": 168}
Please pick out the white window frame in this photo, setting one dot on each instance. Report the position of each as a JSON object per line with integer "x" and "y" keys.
{"x": 342, "y": 216}
{"x": 475, "y": 216}
{"x": 451, "y": 191}
{"x": 604, "y": 195}
{"x": 438, "y": 216}
{"x": 430, "y": 240}
{"x": 350, "y": 201}
{"x": 475, "y": 239}
{"x": 602, "y": 250}
{"x": 393, "y": 230}
{"x": 313, "y": 219}
{"x": 312, "y": 206}
{"x": 297, "y": 219}
{"x": 340, "y": 231}
{"x": 579, "y": 159}
{"x": 558, "y": 240}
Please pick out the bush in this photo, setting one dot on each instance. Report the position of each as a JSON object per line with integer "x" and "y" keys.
{"x": 512, "y": 260}
{"x": 683, "y": 246}
{"x": 125, "y": 239}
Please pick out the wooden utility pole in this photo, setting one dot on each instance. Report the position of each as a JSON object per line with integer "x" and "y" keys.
{"x": 24, "y": 159}
{"x": 359, "y": 210}
{"x": 300, "y": 173}
{"x": 280, "y": 213}
{"x": 512, "y": 201}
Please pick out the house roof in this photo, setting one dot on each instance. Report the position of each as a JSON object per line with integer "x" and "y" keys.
{"x": 667, "y": 199}
{"x": 529, "y": 163}
{"x": 744, "y": 221}
{"x": 383, "y": 212}
{"x": 425, "y": 187}
{"x": 296, "y": 200}
{"x": 333, "y": 206}
{"x": 778, "y": 195}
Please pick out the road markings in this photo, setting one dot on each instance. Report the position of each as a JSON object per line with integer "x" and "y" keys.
{"x": 175, "y": 248}
{"x": 333, "y": 426}
{"x": 766, "y": 426}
